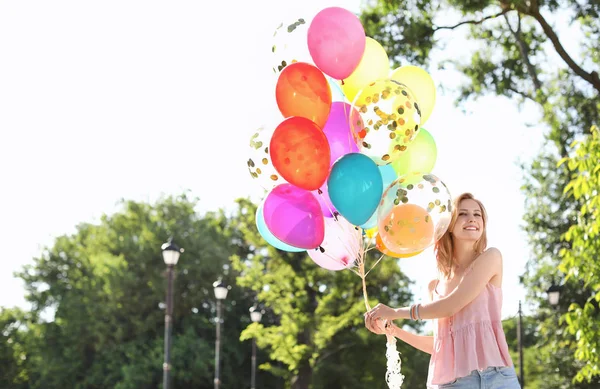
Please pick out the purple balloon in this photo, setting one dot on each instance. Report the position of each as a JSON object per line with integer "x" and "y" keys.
{"x": 338, "y": 130}
{"x": 324, "y": 201}
{"x": 294, "y": 216}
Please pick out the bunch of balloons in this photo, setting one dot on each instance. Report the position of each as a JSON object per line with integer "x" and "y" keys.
{"x": 349, "y": 156}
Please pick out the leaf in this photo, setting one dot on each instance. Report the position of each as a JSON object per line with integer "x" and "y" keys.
{"x": 561, "y": 161}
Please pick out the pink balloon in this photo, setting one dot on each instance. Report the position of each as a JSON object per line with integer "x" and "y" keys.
{"x": 341, "y": 245}
{"x": 294, "y": 216}
{"x": 341, "y": 142}
{"x": 336, "y": 42}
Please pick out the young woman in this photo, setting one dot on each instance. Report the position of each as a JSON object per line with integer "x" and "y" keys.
{"x": 468, "y": 349}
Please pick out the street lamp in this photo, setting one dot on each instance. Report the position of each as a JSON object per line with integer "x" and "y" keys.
{"x": 171, "y": 253}
{"x": 520, "y": 342}
{"x": 255, "y": 316}
{"x": 220, "y": 294}
{"x": 553, "y": 294}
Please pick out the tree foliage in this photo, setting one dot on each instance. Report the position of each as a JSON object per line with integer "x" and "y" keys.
{"x": 580, "y": 261}
{"x": 102, "y": 288}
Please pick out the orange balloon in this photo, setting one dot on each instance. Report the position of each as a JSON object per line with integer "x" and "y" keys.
{"x": 384, "y": 250}
{"x": 302, "y": 90}
{"x": 406, "y": 229}
{"x": 300, "y": 153}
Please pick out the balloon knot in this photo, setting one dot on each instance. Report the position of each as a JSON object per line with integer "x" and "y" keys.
{"x": 335, "y": 216}
{"x": 320, "y": 191}
{"x": 321, "y": 249}
{"x": 343, "y": 82}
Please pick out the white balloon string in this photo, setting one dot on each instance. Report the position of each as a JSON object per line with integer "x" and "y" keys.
{"x": 393, "y": 374}
{"x": 373, "y": 267}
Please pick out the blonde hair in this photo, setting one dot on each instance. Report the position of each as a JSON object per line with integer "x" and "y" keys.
{"x": 444, "y": 247}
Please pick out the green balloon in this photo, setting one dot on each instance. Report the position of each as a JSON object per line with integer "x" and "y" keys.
{"x": 420, "y": 155}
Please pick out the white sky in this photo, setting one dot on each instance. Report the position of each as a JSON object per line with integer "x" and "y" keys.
{"x": 128, "y": 99}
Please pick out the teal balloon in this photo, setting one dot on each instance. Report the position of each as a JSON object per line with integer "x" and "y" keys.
{"x": 388, "y": 175}
{"x": 355, "y": 187}
{"x": 271, "y": 239}
{"x": 372, "y": 222}
{"x": 336, "y": 91}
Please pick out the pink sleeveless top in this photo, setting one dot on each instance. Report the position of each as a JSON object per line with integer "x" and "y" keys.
{"x": 472, "y": 339}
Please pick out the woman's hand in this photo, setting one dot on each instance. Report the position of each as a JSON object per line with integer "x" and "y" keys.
{"x": 377, "y": 327}
{"x": 381, "y": 311}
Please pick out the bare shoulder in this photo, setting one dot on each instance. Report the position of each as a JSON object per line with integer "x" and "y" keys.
{"x": 431, "y": 287}
{"x": 493, "y": 260}
{"x": 491, "y": 254}
{"x": 490, "y": 262}
{"x": 432, "y": 284}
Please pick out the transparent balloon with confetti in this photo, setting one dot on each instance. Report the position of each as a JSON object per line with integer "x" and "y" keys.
{"x": 289, "y": 44}
{"x": 259, "y": 161}
{"x": 389, "y": 120}
{"x": 414, "y": 212}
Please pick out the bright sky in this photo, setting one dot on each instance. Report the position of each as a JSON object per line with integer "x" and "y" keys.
{"x": 128, "y": 99}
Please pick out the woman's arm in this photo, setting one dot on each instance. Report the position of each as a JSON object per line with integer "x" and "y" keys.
{"x": 486, "y": 266}
{"x": 420, "y": 342}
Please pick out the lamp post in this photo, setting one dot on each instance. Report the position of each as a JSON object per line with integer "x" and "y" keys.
{"x": 553, "y": 295}
{"x": 520, "y": 341}
{"x": 220, "y": 294}
{"x": 255, "y": 316}
{"x": 171, "y": 253}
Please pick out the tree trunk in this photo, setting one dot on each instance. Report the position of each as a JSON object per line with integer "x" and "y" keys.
{"x": 303, "y": 378}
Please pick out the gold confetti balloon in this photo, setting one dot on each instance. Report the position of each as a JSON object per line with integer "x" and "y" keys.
{"x": 414, "y": 212}
{"x": 389, "y": 120}
{"x": 259, "y": 161}
{"x": 289, "y": 44}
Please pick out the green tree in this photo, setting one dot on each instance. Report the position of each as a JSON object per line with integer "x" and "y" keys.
{"x": 535, "y": 355}
{"x": 13, "y": 349}
{"x": 510, "y": 40}
{"x": 580, "y": 261}
{"x": 317, "y": 338}
{"x": 103, "y": 286}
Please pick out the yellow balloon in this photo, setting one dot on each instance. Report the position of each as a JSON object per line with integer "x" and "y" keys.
{"x": 371, "y": 232}
{"x": 421, "y": 85}
{"x": 384, "y": 250}
{"x": 373, "y": 66}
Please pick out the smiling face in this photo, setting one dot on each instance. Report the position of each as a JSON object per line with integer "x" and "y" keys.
{"x": 470, "y": 222}
{"x": 468, "y": 225}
